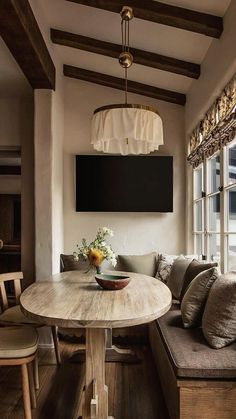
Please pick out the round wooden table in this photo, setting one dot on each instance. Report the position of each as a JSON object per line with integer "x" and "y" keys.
{"x": 74, "y": 299}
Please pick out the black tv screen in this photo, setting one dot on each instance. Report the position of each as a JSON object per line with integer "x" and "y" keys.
{"x": 124, "y": 183}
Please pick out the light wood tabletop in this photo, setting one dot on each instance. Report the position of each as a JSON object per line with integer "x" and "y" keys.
{"x": 74, "y": 299}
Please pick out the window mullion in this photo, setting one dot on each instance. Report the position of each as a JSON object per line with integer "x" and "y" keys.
{"x": 222, "y": 209}
{"x": 205, "y": 186}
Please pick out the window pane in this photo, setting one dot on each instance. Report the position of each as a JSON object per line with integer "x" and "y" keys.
{"x": 231, "y": 209}
{"x": 214, "y": 247}
{"x": 231, "y": 252}
{"x": 214, "y": 173}
{"x": 198, "y": 245}
{"x": 198, "y": 216}
{"x": 198, "y": 186}
{"x": 214, "y": 212}
{"x": 231, "y": 164}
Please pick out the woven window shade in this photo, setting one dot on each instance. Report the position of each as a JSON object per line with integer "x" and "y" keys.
{"x": 217, "y": 128}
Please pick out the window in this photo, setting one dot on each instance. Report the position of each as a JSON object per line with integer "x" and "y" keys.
{"x": 198, "y": 210}
{"x": 214, "y": 208}
{"x": 230, "y": 207}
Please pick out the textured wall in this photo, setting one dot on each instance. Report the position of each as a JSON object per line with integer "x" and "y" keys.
{"x": 134, "y": 232}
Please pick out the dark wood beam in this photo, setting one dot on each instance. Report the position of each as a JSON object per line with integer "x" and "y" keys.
{"x": 10, "y": 170}
{"x": 165, "y": 14}
{"x": 21, "y": 33}
{"x": 109, "y": 49}
{"x": 117, "y": 83}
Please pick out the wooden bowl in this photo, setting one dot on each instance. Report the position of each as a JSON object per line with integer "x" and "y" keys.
{"x": 112, "y": 282}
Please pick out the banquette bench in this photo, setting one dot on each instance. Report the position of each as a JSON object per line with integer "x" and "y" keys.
{"x": 198, "y": 382}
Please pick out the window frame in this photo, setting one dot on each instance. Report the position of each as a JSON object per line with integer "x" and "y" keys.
{"x": 225, "y": 186}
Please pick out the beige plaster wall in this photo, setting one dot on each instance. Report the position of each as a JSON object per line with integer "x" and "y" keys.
{"x": 53, "y": 188}
{"x": 43, "y": 182}
{"x": 217, "y": 69}
{"x": 135, "y": 233}
{"x": 57, "y": 172}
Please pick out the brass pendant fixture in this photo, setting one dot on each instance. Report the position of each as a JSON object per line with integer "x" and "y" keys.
{"x": 126, "y": 128}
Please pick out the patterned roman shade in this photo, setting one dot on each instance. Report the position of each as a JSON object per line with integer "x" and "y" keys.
{"x": 217, "y": 128}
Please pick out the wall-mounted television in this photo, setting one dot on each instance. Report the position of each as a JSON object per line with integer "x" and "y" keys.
{"x": 124, "y": 183}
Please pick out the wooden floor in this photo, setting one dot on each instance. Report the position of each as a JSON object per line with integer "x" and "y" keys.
{"x": 134, "y": 390}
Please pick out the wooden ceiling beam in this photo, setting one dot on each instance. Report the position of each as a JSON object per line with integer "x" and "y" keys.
{"x": 21, "y": 34}
{"x": 165, "y": 14}
{"x": 118, "y": 83}
{"x": 109, "y": 49}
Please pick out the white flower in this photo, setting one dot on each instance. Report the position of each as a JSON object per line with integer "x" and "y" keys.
{"x": 98, "y": 243}
{"x": 76, "y": 256}
{"x": 113, "y": 262}
{"x": 107, "y": 231}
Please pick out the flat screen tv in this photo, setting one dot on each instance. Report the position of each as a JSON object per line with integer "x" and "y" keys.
{"x": 124, "y": 183}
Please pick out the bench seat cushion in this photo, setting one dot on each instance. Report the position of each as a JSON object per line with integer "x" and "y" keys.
{"x": 189, "y": 353}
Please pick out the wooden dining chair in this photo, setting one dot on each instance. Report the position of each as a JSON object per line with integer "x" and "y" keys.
{"x": 12, "y": 315}
{"x": 18, "y": 346}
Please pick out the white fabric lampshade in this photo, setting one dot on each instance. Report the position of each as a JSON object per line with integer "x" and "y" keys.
{"x": 126, "y": 130}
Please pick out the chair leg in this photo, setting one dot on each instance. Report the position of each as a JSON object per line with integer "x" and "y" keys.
{"x": 56, "y": 345}
{"x": 32, "y": 385}
{"x": 25, "y": 390}
{"x": 36, "y": 372}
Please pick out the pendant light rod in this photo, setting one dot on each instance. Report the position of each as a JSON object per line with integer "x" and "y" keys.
{"x": 126, "y": 58}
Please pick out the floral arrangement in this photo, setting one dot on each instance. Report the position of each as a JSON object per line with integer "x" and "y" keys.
{"x": 97, "y": 250}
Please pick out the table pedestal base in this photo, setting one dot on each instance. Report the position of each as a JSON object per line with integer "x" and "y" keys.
{"x": 95, "y": 401}
{"x": 113, "y": 354}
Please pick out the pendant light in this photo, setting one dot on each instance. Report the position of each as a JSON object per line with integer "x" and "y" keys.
{"x": 126, "y": 128}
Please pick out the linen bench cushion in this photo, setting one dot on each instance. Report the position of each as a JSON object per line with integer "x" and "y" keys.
{"x": 143, "y": 264}
{"x": 189, "y": 353}
{"x": 68, "y": 263}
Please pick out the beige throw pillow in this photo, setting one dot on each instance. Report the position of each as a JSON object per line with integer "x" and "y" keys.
{"x": 219, "y": 318}
{"x": 175, "y": 280}
{"x": 143, "y": 264}
{"x": 195, "y": 298}
{"x": 164, "y": 265}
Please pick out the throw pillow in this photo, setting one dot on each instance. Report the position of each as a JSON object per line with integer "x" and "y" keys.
{"x": 68, "y": 263}
{"x": 175, "y": 280}
{"x": 143, "y": 264}
{"x": 193, "y": 270}
{"x": 195, "y": 298}
{"x": 164, "y": 266}
{"x": 219, "y": 318}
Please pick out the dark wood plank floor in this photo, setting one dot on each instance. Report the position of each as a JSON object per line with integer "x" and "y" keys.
{"x": 134, "y": 390}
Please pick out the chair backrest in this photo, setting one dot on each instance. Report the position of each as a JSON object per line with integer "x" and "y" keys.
{"x": 16, "y": 278}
